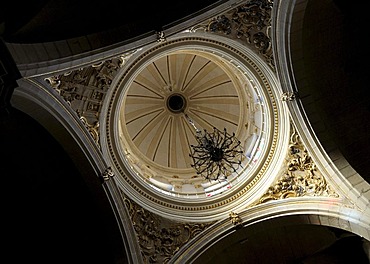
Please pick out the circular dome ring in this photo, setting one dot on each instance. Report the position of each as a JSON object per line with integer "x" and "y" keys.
{"x": 139, "y": 175}
{"x": 176, "y": 103}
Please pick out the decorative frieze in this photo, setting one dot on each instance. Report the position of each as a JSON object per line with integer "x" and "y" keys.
{"x": 249, "y": 23}
{"x": 301, "y": 177}
{"x": 160, "y": 238}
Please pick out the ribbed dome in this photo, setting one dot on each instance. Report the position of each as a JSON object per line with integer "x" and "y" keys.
{"x": 166, "y": 89}
{"x": 166, "y": 98}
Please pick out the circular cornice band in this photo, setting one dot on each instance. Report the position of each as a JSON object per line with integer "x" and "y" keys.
{"x": 244, "y": 60}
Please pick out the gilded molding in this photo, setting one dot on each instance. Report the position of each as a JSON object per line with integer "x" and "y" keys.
{"x": 160, "y": 238}
{"x": 235, "y": 219}
{"x": 249, "y": 23}
{"x": 301, "y": 176}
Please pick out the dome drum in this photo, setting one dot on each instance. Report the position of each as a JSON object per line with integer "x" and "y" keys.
{"x": 214, "y": 84}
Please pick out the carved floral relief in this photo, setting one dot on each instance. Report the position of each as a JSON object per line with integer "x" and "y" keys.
{"x": 301, "y": 177}
{"x": 249, "y": 23}
{"x": 84, "y": 90}
{"x": 160, "y": 238}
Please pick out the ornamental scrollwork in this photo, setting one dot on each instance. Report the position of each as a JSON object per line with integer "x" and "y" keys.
{"x": 93, "y": 129}
{"x": 249, "y": 23}
{"x": 84, "y": 89}
{"x": 301, "y": 177}
{"x": 235, "y": 219}
{"x": 161, "y": 36}
{"x": 288, "y": 96}
{"x": 160, "y": 238}
{"x": 107, "y": 174}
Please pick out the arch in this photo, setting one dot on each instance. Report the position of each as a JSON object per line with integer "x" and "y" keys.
{"x": 288, "y": 212}
{"x": 36, "y": 53}
{"x": 307, "y": 110}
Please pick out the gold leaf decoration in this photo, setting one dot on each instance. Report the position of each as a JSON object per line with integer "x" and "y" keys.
{"x": 249, "y": 23}
{"x": 235, "y": 219}
{"x": 301, "y": 177}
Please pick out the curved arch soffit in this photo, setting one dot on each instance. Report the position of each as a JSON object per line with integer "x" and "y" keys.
{"x": 54, "y": 115}
{"x": 295, "y": 211}
{"x": 286, "y": 14}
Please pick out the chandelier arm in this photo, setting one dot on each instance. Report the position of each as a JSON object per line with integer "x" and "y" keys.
{"x": 200, "y": 151}
{"x": 233, "y": 148}
{"x": 226, "y": 137}
{"x": 219, "y": 138}
{"x": 201, "y": 169}
{"x": 228, "y": 140}
{"x": 210, "y": 169}
{"x": 200, "y": 163}
{"x": 232, "y": 154}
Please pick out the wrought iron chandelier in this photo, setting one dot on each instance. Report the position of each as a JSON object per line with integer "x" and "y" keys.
{"x": 217, "y": 155}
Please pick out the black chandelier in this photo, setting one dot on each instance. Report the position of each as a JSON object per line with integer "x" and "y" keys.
{"x": 217, "y": 155}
